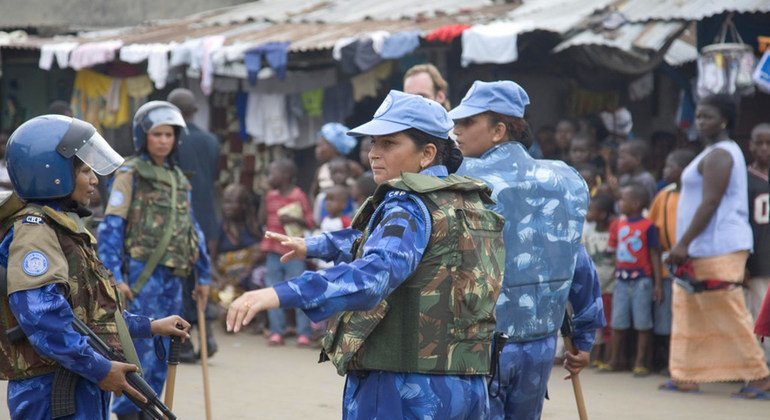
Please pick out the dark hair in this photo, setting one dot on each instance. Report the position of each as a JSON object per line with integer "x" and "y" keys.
{"x": 726, "y": 106}
{"x": 288, "y": 166}
{"x": 638, "y": 148}
{"x": 339, "y": 161}
{"x": 639, "y": 192}
{"x": 249, "y": 202}
{"x": 516, "y": 128}
{"x": 604, "y": 202}
{"x": 60, "y": 107}
{"x": 681, "y": 157}
{"x": 595, "y": 122}
{"x": 338, "y": 189}
{"x": 588, "y": 166}
{"x": 447, "y": 153}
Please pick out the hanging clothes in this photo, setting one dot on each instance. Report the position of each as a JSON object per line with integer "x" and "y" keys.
{"x": 275, "y": 53}
{"x": 399, "y": 44}
{"x": 268, "y": 120}
{"x": 93, "y": 101}
{"x": 446, "y": 34}
{"x": 93, "y": 53}
{"x": 156, "y": 56}
{"x": 61, "y": 51}
{"x": 367, "y": 84}
{"x": 492, "y": 43}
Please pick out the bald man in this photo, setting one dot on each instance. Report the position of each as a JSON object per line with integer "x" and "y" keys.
{"x": 425, "y": 80}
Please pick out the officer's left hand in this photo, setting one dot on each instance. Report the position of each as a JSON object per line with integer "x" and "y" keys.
{"x": 574, "y": 363}
{"x": 168, "y": 326}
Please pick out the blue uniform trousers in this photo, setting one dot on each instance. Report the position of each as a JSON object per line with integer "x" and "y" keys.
{"x": 524, "y": 371}
{"x": 392, "y": 395}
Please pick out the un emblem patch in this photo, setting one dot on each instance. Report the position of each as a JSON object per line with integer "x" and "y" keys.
{"x": 35, "y": 263}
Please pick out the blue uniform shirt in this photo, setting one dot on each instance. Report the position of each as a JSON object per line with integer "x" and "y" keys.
{"x": 544, "y": 205}
{"x": 385, "y": 263}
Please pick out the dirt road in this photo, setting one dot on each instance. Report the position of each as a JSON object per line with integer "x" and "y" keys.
{"x": 250, "y": 380}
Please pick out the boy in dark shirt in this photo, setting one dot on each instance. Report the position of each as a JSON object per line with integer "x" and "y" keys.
{"x": 758, "y": 266}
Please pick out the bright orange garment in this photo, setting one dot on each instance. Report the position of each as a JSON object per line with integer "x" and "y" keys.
{"x": 663, "y": 215}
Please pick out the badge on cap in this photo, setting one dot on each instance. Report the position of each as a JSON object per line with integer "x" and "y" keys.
{"x": 35, "y": 263}
{"x": 116, "y": 199}
{"x": 384, "y": 107}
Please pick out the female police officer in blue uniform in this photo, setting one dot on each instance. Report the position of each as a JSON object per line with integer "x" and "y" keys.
{"x": 53, "y": 275}
{"x": 149, "y": 237}
{"x": 415, "y": 281}
{"x": 544, "y": 204}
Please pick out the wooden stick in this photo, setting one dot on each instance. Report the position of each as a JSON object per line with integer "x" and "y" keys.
{"x": 204, "y": 355}
{"x": 581, "y": 404}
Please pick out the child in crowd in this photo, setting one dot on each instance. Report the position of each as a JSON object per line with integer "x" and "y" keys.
{"x": 333, "y": 142}
{"x": 581, "y": 151}
{"x": 544, "y": 146}
{"x": 340, "y": 174}
{"x": 634, "y": 239}
{"x": 663, "y": 215}
{"x": 565, "y": 132}
{"x": 337, "y": 199}
{"x": 631, "y": 157}
{"x": 235, "y": 251}
{"x": 758, "y": 276}
{"x": 596, "y": 235}
{"x": 284, "y": 192}
{"x": 362, "y": 189}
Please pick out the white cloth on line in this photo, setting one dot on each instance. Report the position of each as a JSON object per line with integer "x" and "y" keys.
{"x": 156, "y": 56}
{"x": 93, "y": 53}
{"x": 61, "y": 51}
{"x": 268, "y": 120}
{"x": 492, "y": 43}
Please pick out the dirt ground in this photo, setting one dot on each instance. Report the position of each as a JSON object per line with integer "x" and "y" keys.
{"x": 250, "y": 380}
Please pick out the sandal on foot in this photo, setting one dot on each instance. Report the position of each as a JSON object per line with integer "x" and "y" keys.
{"x": 669, "y": 385}
{"x": 641, "y": 372}
{"x": 606, "y": 368}
{"x": 751, "y": 393}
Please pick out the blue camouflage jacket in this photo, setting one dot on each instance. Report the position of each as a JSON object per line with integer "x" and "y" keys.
{"x": 544, "y": 204}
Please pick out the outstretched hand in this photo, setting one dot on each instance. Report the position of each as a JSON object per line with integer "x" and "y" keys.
{"x": 297, "y": 245}
{"x": 248, "y": 305}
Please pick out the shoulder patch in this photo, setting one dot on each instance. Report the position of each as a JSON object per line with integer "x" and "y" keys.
{"x": 33, "y": 220}
{"x": 396, "y": 194}
{"x": 35, "y": 263}
{"x": 116, "y": 198}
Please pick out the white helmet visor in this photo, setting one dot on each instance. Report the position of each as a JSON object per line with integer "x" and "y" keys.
{"x": 99, "y": 156}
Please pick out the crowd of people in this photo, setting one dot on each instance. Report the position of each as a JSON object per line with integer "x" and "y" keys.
{"x": 440, "y": 259}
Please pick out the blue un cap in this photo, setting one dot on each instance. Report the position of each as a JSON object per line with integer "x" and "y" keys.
{"x": 401, "y": 111}
{"x": 504, "y": 97}
{"x": 334, "y": 133}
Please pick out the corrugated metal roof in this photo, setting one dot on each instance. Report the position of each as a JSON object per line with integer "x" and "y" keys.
{"x": 645, "y": 10}
{"x": 304, "y": 36}
{"x": 558, "y": 16}
{"x": 644, "y": 36}
{"x": 337, "y": 11}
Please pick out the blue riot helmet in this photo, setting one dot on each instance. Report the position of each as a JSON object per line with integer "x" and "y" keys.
{"x": 154, "y": 114}
{"x": 40, "y": 156}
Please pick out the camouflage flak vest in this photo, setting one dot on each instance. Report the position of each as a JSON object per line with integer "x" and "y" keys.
{"x": 149, "y": 211}
{"x": 441, "y": 319}
{"x": 90, "y": 291}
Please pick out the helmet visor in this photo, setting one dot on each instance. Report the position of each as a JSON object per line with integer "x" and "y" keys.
{"x": 162, "y": 116}
{"x": 99, "y": 156}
